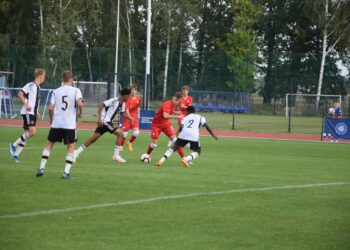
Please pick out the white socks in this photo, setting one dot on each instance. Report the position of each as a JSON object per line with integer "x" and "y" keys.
{"x": 20, "y": 148}
{"x": 191, "y": 156}
{"x": 21, "y": 142}
{"x": 116, "y": 151}
{"x": 22, "y": 139}
{"x": 167, "y": 154}
{"x": 81, "y": 149}
{"x": 69, "y": 161}
{"x": 44, "y": 157}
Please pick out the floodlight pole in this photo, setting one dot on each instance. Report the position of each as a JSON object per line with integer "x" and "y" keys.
{"x": 116, "y": 52}
{"x": 290, "y": 100}
{"x": 146, "y": 93}
{"x": 233, "y": 105}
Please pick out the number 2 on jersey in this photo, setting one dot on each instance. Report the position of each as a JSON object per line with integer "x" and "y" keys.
{"x": 190, "y": 123}
{"x": 64, "y": 102}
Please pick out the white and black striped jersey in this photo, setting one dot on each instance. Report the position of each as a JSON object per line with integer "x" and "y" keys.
{"x": 111, "y": 108}
{"x": 65, "y": 101}
{"x": 191, "y": 124}
{"x": 32, "y": 96}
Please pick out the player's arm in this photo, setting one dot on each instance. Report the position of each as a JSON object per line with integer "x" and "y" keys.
{"x": 138, "y": 115}
{"x": 20, "y": 95}
{"x": 166, "y": 115}
{"x": 51, "y": 112}
{"x": 183, "y": 106}
{"x": 99, "y": 114}
{"x": 210, "y": 131}
{"x": 127, "y": 115}
{"x": 80, "y": 105}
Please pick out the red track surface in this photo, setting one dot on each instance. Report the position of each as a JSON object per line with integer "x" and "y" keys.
{"x": 238, "y": 134}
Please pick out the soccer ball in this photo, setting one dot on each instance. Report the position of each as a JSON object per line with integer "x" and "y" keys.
{"x": 331, "y": 111}
{"x": 145, "y": 158}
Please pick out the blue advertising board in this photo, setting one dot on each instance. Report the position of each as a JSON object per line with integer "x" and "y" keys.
{"x": 337, "y": 127}
{"x": 146, "y": 118}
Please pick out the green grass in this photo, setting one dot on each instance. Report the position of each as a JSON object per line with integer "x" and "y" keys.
{"x": 266, "y": 123}
{"x": 303, "y": 218}
{"x": 258, "y": 123}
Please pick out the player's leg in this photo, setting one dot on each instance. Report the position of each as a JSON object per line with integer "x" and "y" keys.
{"x": 69, "y": 137}
{"x": 177, "y": 131}
{"x": 55, "y": 135}
{"x": 195, "y": 146}
{"x": 98, "y": 133}
{"x": 69, "y": 160}
{"x": 29, "y": 123}
{"x": 44, "y": 158}
{"x": 169, "y": 131}
{"x": 119, "y": 134}
{"x": 135, "y": 134}
{"x": 126, "y": 127}
{"x": 179, "y": 143}
{"x": 179, "y": 150}
{"x": 156, "y": 130}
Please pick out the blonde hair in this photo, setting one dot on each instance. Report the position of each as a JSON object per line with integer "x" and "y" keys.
{"x": 185, "y": 87}
{"x": 178, "y": 95}
{"x": 67, "y": 75}
{"x": 38, "y": 72}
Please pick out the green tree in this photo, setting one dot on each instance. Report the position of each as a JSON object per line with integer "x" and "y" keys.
{"x": 239, "y": 45}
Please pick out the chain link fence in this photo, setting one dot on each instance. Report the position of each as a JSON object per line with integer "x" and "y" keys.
{"x": 207, "y": 71}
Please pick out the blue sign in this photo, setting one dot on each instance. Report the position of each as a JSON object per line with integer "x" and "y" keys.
{"x": 337, "y": 128}
{"x": 146, "y": 118}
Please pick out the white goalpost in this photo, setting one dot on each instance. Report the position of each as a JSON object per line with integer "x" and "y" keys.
{"x": 95, "y": 93}
{"x": 300, "y": 101}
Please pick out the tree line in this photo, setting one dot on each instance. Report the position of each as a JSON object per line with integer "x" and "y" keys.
{"x": 272, "y": 47}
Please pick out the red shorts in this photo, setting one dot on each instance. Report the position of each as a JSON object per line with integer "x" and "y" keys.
{"x": 167, "y": 129}
{"x": 127, "y": 124}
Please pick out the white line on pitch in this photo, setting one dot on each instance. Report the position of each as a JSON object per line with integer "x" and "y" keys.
{"x": 168, "y": 197}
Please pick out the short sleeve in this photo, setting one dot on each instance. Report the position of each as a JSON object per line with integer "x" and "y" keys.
{"x": 26, "y": 88}
{"x": 123, "y": 107}
{"x": 167, "y": 107}
{"x": 190, "y": 101}
{"x": 78, "y": 95}
{"x": 202, "y": 121}
{"x": 108, "y": 102}
{"x": 53, "y": 99}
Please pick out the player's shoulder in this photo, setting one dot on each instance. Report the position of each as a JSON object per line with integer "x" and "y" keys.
{"x": 114, "y": 100}
{"x": 168, "y": 102}
{"x": 29, "y": 85}
{"x": 194, "y": 115}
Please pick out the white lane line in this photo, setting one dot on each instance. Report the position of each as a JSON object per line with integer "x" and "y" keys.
{"x": 168, "y": 197}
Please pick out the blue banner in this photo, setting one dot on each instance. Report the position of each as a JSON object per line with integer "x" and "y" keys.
{"x": 337, "y": 128}
{"x": 146, "y": 118}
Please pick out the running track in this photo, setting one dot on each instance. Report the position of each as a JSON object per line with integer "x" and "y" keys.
{"x": 221, "y": 133}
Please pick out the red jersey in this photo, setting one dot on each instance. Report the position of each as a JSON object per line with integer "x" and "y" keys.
{"x": 133, "y": 105}
{"x": 168, "y": 107}
{"x": 185, "y": 101}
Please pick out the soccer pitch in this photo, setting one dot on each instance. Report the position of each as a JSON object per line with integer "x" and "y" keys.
{"x": 240, "y": 194}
